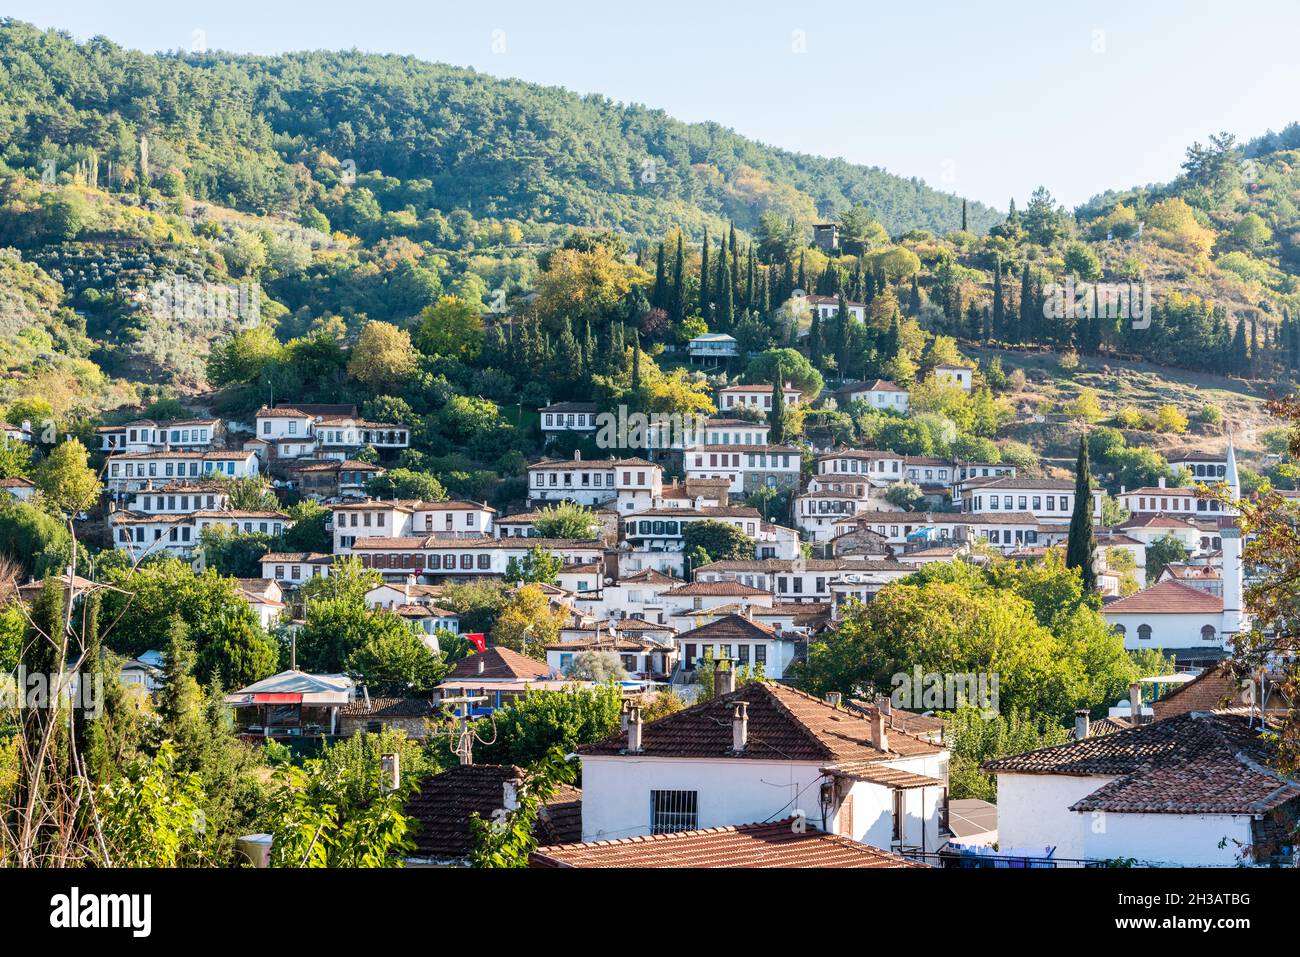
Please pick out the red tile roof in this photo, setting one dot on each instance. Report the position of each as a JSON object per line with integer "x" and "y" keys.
{"x": 499, "y": 663}
{"x": 1167, "y": 597}
{"x": 784, "y": 725}
{"x": 774, "y": 844}
{"x": 1195, "y": 763}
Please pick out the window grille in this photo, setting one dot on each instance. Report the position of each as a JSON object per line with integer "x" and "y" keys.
{"x": 673, "y": 811}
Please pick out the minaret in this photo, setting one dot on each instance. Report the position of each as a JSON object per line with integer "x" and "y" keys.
{"x": 1234, "y": 616}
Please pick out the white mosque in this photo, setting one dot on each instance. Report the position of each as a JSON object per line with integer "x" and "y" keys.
{"x": 1194, "y": 624}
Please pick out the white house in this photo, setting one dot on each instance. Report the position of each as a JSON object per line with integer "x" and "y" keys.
{"x": 129, "y": 471}
{"x": 880, "y": 394}
{"x": 957, "y": 375}
{"x": 560, "y": 417}
{"x": 754, "y": 397}
{"x": 1159, "y": 499}
{"x": 760, "y": 753}
{"x": 828, "y": 307}
{"x": 146, "y": 435}
{"x": 632, "y": 483}
{"x": 1048, "y": 500}
{"x": 295, "y": 568}
{"x": 713, "y": 347}
{"x": 377, "y": 518}
{"x": 18, "y": 488}
{"x": 1186, "y": 791}
{"x": 746, "y": 468}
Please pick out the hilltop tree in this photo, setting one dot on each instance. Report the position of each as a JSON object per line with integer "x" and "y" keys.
{"x": 776, "y": 417}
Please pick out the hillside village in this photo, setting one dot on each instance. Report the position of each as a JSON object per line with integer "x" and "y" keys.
{"x": 502, "y": 535}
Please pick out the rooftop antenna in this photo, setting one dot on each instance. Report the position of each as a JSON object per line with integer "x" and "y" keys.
{"x": 463, "y": 732}
{"x": 293, "y": 651}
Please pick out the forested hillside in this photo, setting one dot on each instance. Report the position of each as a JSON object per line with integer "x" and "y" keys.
{"x": 270, "y": 134}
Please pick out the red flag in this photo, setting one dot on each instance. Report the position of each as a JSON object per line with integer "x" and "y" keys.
{"x": 478, "y": 640}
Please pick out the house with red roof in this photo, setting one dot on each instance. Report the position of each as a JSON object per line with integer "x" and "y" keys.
{"x": 1196, "y": 789}
{"x": 762, "y": 753}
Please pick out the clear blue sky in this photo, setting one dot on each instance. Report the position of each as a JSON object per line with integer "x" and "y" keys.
{"x": 985, "y": 102}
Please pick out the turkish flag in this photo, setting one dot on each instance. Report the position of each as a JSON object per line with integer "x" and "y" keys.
{"x": 478, "y": 640}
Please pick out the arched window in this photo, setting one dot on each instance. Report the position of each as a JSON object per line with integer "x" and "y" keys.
{"x": 1207, "y": 633}
{"x": 1120, "y": 630}
{"x": 1144, "y": 632}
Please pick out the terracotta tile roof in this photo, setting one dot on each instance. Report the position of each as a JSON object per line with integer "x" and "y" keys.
{"x": 920, "y": 725}
{"x": 499, "y": 663}
{"x": 727, "y": 629}
{"x": 1195, "y": 763}
{"x": 803, "y": 565}
{"x": 774, "y": 844}
{"x": 389, "y": 708}
{"x": 1213, "y": 689}
{"x": 648, "y": 576}
{"x": 1158, "y": 520}
{"x": 716, "y": 589}
{"x": 1168, "y": 597}
{"x": 873, "y": 773}
{"x": 784, "y": 725}
{"x": 443, "y": 805}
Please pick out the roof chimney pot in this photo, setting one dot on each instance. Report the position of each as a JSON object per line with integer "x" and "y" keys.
{"x": 740, "y": 726}
{"x": 479, "y": 663}
{"x": 1081, "y": 724}
{"x": 833, "y": 699}
{"x": 1135, "y": 703}
{"x": 634, "y": 730}
{"x": 724, "y": 678}
{"x": 879, "y": 736}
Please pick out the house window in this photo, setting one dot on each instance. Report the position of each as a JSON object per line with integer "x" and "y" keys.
{"x": 1144, "y": 632}
{"x": 1207, "y": 633}
{"x": 899, "y": 810}
{"x": 672, "y": 811}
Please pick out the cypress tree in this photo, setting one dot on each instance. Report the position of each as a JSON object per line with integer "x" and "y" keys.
{"x": 704, "y": 276}
{"x": 1082, "y": 545}
{"x": 657, "y": 298}
{"x": 963, "y": 215}
{"x": 1240, "y": 351}
{"x": 678, "y": 310}
{"x": 636, "y": 361}
{"x": 749, "y": 279}
{"x": 776, "y": 418}
{"x": 999, "y": 305}
{"x": 803, "y": 276}
{"x": 1027, "y": 324}
{"x": 914, "y": 300}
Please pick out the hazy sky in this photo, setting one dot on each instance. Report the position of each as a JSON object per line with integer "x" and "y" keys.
{"x": 984, "y": 99}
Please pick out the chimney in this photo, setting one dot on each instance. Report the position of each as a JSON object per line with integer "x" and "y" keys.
{"x": 509, "y": 795}
{"x": 833, "y": 699}
{"x": 577, "y": 455}
{"x": 1135, "y": 702}
{"x": 1161, "y": 481}
{"x": 883, "y": 704}
{"x": 724, "y": 679}
{"x": 624, "y": 714}
{"x": 740, "y": 726}
{"x": 479, "y": 663}
{"x": 879, "y": 737}
{"x": 634, "y": 730}
{"x": 1081, "y": 724}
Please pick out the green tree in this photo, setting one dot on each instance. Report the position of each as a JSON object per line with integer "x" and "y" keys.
{"x": 567, "y": 520}
{"x": 394, "y": 660}
{"x": 451, "y": 327}
{"x": 66, "y": 482}
{"x": 720, "y": 541}
{"x": 1081, "y": 549}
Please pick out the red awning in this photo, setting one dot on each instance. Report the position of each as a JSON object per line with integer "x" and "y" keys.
{"x": 277, "y": 698}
